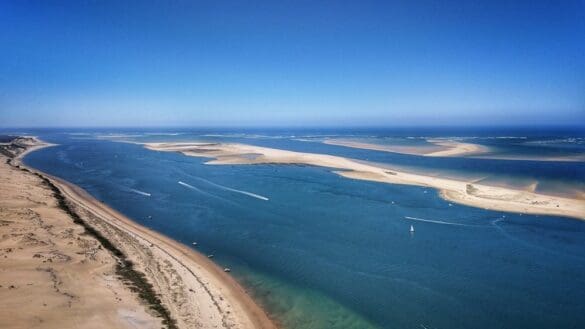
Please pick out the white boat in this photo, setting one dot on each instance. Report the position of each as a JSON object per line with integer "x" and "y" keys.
{"x": 227, "y": 269}
{"x": 411, "y": 229}
{"x": 194, "y": 243}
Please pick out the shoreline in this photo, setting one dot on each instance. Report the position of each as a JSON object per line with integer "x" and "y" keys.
{"x": 447, "y": 148}
{"x": 234, "y": 307}
{"x": 462, "y": 192}
{"x": 451, "y": 148}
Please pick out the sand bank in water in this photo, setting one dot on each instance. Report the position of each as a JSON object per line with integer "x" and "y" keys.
{"x": 449, "y": 148}
{"x": 65, "y": 278}
{"x": 437, "y": 147}
{"x": 471, "y": 194}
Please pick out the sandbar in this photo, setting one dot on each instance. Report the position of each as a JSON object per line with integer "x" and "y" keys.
{"x": 459, "y": 191}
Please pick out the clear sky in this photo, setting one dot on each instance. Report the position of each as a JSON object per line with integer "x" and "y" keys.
{"x": 291, "y": 63}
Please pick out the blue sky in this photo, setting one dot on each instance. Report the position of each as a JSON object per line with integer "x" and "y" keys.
{"x": 189, "y": 63}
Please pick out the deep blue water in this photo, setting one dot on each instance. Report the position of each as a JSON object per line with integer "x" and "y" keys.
{"x": 330, "y": 252}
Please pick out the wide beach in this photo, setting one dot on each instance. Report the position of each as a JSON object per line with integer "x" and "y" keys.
{"x": 192, "y": 291}
{"x": 319, "y": 250}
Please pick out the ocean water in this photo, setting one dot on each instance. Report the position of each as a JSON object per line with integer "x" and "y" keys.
{"x": 321, "y": 251}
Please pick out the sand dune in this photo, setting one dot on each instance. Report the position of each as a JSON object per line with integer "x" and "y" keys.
{"x": 468, "y": 193}
{"x": 68, "y": 279}
{"x": 51, "y": 274}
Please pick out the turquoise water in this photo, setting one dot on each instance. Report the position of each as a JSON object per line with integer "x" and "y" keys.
{"x": 329, "y": 252}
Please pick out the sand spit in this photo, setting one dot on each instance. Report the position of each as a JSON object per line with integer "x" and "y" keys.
{"x": 467, "y": 193}
{"x": 68, "y": 278}
{"x": 449, "y": 148}
{"x": 438, "y": 147}
{"x": 455, "y": 148}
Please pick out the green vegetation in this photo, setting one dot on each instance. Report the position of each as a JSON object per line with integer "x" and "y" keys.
{"x": 136, "y": 280}
{"x": 470, "y": 189}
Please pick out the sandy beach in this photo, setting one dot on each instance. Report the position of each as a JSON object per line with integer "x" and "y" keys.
{"x": 448, "y": 148}
{"x": 68, "y": 278}
{"x": 463, "y": 192}
{"x": 437, "y": 147}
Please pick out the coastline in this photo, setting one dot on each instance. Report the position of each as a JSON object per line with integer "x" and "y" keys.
{"x": 462, "y": 192}
{"x": 209, "y": 296}
{"x": 446, "y": 148}
{"x": 51, "y": 266}
{"x": 449, "y": 148}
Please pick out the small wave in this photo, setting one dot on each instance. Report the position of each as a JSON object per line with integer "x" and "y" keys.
{"x": 116, "y": 136}
{"x": 438, "y": 222}
{"x": 62, "y": 156}
{"x": 249, "y": 136}
{"x": 495, "y": 224}
{"x": 140, "y": 192}
{"x": 162, "y": 134}
{"x": 79, "y": 134}
{"x": 254, "y": 195}
{"x": 570, "y": 140}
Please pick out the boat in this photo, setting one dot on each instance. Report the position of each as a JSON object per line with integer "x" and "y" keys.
{"x": 411, "y": 229}
{"x": 227, "y": 269}
{"x": 194, "y": 243}
{"x": 209, "y": 256}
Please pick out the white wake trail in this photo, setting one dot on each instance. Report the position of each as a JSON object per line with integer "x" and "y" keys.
{"x": 254, "y": 195}
{"x": 140, "y": 192}
{"x": 437, "y": 221}
{"x": 189, "y": 186}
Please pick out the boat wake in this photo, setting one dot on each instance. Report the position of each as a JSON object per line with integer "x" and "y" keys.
{"x": 250, "y": 194}
{"x": 440, "y": 222}
{"x": 140, "y": 192}
{"x": 191, "y": 187}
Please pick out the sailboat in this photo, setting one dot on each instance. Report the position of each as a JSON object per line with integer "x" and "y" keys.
{"x": 411, "y": 229}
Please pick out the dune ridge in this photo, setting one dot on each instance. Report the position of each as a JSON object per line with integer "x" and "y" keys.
{"x": 194, "y": 291}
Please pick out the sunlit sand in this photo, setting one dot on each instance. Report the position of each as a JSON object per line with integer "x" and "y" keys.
{"x": 463, "y": 192}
